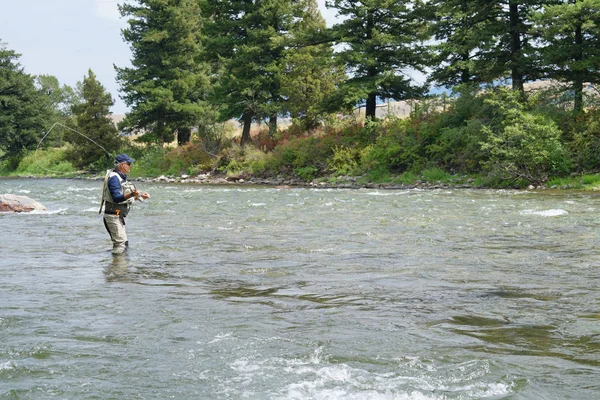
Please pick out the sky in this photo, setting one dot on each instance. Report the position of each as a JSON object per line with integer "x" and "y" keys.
{"x": 66, "y": 38}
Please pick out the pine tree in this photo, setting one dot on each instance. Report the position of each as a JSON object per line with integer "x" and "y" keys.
{"x": 61, "y": 99}
{"x": 463, "y": 31}
{"x": 486, "y": 41}
{"x": 309, "y": 75}
{"x": 168, "y": 82}
{"x": 381, "y": 41}
{"x": 246, "y": 42}
{"x": 92, "y": 119}
{"x": 571, "y": 44}
{"x": 25, "y": 113}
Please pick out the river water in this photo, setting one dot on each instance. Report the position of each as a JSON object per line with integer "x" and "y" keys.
{"x": 235, "y": 292}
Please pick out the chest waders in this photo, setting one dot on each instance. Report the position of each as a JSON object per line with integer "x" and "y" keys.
{"x": 115, "y": 213}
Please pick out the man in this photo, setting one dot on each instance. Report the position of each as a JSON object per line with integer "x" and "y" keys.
{"x": 118, "y": 194}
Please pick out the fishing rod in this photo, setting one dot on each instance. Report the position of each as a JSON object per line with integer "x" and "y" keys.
{"x": 79, "y": 133}
{"x": 71, "y": 129}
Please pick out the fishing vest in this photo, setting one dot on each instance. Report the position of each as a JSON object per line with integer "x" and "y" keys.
{"x": 110, "y": 206}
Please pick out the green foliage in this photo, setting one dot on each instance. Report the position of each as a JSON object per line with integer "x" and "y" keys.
{"x": 46, "y": 162}
{"x": 247, "y": 43}
{"x": 462, "y": 34}
{"x": 309, "y": 75}
{"x": 523, "y": 147}
{"x": 484, "y": 41}
{"x": 381, "y": 39}
{"x": 570, "y": 32}
{"x": 25, "y": 112}
{"x": 92, "y": 120}
{"x": 167, "y": 83}
{"x": 150, "y": 162}
{"x": 307, "y": 173}
{"x": 436, "y": 174}
{"x": 585, "y": 144}
{"x": 407, "y": 178}
{"x": 396, "y": 149}
{"x": 344, "y": 161}
{"x": 576, "y": 182}
{"x": 189, "y": 157}
{"x": 243, "y": 159}
{"x": 300, "y": 153}
{"x": 456, "y": 135}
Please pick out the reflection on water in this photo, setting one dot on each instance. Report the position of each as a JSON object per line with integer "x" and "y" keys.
{"x": 240, "y": 292}
{"x": 118, "y": 269}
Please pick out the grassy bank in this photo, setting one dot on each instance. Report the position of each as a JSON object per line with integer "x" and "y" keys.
{"x": 248, "y": 161}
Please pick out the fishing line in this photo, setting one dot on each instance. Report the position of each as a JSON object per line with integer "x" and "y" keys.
{"x": 71, "y": 129}
{"x": 79, "y": 133}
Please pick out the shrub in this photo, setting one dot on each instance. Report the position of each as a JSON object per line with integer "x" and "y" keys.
{"x": 344, "y": 161}
{"x": 46, "y": 162}
{"x": 150, "y": 163}
{"x": 526, "y": 147}
{"x": 585, "y": 146}
{"x": 307, "y": 173}
{"x": 436, "y": 174}
{"x": 237, "y": 159}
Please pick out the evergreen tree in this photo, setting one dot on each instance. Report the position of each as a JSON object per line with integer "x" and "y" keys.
{"x": 381, "y": 41}
{"x": 167, "y": 83}
{"x": 25, "y": 113}
{"x": 246, "y": 44}
{"x": 309, "y": 75}
{"x": 92, "y": 119}
{"x": 61, "y": 100}
{"x": 484, "y": 41}
{"x": 571, "y": 44}
{"x": 463, "y": 32}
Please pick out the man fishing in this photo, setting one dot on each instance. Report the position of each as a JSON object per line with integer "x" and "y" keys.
{"x": 118, "y": 195}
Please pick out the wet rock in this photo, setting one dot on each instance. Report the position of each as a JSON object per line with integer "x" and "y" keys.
{"x": 16, "y": 203}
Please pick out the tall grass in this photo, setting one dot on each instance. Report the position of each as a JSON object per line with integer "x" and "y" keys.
{"x": 49, "y": 162}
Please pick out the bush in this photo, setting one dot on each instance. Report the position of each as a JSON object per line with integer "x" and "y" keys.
{"x": 151, "y": 162}
{"x": 585, "y": 146}
{"x": 395, "y": 152}
{"x": 527, "y": 147}
{"x": 307, "y": 173}
{"x": 435, "y": 174}
{"x": 344, "y": 161}
{"x": 46, "y": 162}
{"x": 238, "y": 159}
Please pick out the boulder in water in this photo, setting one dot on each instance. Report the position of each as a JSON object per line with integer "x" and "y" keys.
{"x": 15, "y": 203}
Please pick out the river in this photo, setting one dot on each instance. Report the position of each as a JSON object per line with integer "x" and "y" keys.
{"x": 238, "y": 292}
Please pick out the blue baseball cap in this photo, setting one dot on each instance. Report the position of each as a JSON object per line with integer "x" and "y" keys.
{"x": 123, "y": 158}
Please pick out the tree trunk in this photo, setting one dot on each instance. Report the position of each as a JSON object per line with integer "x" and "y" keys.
{"x": 515, "y": 48}
{"x": 578, "y": 80}
{"x": 465, "y": 74}
{"x": 272, "y": 125}
{"x": 247, "y": 121}
{"x": 371, "y": 107}
{"x": 183, "y": 136}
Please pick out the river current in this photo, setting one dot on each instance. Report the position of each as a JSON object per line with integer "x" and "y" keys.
{"x": 237, "y": 292}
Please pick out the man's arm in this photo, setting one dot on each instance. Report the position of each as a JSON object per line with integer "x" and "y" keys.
{"x": 114, "y": 186}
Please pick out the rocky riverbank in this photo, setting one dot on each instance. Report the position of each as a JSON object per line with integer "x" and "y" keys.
{"x": 339, "y": 182}
{"x": 343, "y": 182}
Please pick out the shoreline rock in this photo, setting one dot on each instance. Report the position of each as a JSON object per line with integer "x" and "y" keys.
{"x": 16, "y": 203}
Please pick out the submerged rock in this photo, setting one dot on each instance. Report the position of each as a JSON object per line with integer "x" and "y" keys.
{"x": 15, "y": 203}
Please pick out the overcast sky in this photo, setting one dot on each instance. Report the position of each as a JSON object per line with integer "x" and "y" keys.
{"x": 65, "y": 38}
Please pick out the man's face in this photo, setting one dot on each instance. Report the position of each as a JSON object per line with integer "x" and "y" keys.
{"x": 125, "y": 167}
